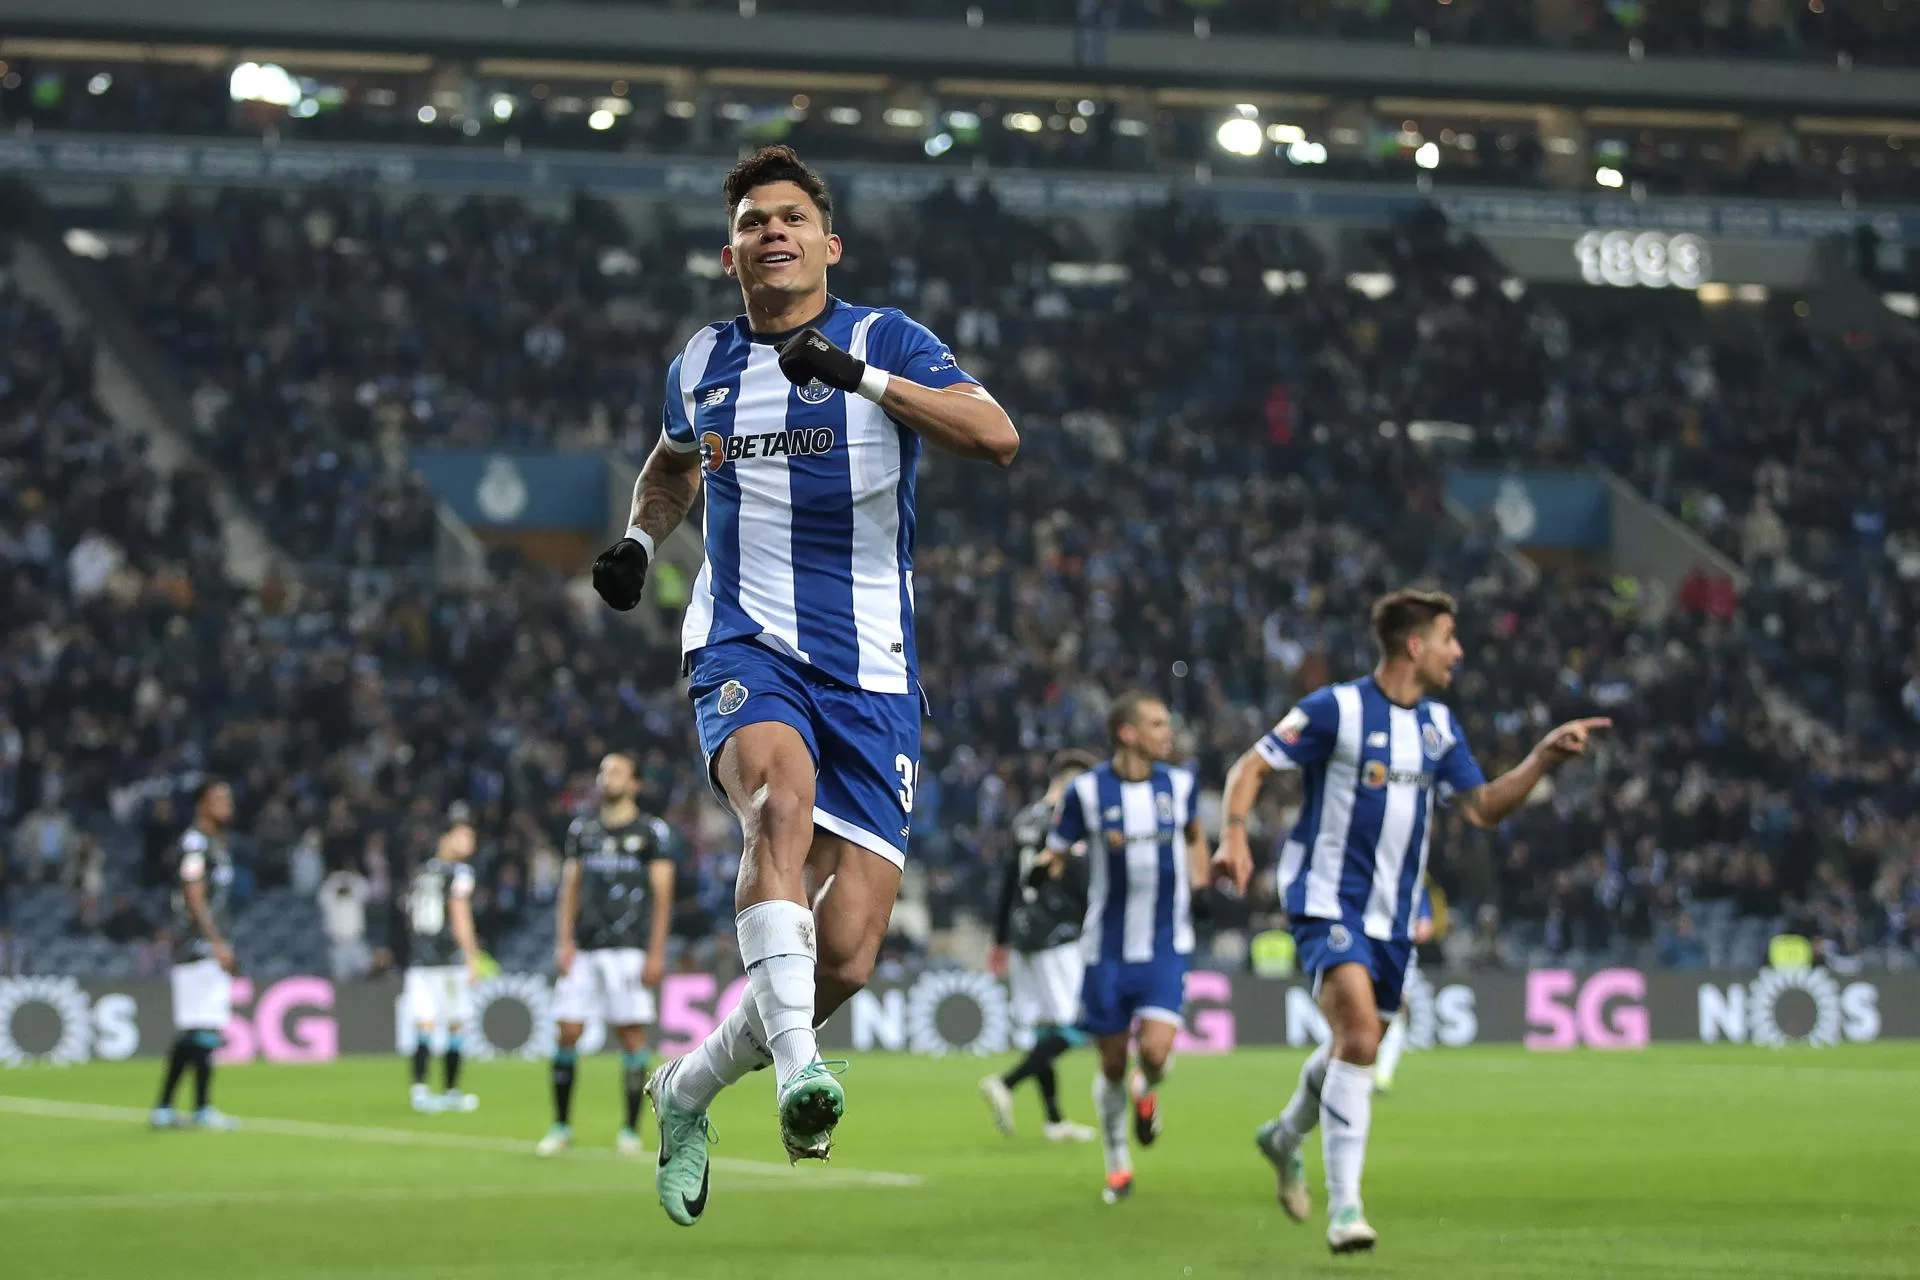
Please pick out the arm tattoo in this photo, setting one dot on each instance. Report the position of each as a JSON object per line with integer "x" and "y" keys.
{"x": 662, "y": 496}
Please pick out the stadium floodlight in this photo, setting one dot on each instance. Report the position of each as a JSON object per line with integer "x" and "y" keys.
{"x": 600, "y": 121}
{"x": 963, "y": 120}
{"x": 1428, "y": 156}
{"x": 1239, "y": 136}
{"x": 1307, "y": 153}
{"x": 1022, "y": 122}
{"x": 263, "y": 82}
{"x": 305, "y": 109}
{"x": 1285, "y": 134}
{"x": 844, "y": 115}
{"x": 502, "y": 107}
{"x": 903, "y": 117}
{"x": 1608, "y": 176}
{"x": 938, "y": 145}
{"x": 426, "y": 114}
{"x": 100, "y": 84}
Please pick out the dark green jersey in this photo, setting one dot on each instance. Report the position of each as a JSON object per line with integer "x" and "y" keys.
{"x": 1039, "y": 911}
{"x": 202, "y": 858}
{"x": 614, "y": 898}
{"x": 429, "y": 911}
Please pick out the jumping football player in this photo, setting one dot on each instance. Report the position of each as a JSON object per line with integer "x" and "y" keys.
{"x": 610, "y": 942}
{"x": 804, "y": 419}
{"x": 1373, "y": 753}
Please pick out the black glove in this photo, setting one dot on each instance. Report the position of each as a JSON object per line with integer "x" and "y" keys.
{"x": 809, "y": 354}
{"x": 620, "y": 573}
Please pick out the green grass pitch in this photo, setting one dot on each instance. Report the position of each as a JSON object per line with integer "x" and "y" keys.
{"x": 1679, "y": 1162}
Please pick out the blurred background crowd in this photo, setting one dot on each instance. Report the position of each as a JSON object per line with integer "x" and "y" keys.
{"x": 1238, "y": 429}
{"x": 1214, "y": 483}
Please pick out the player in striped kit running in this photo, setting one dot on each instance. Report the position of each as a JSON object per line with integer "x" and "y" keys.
{"x": 1373, "y": 754}
{"x": 804, "y": 419}
{"x": 1135, "y": 819}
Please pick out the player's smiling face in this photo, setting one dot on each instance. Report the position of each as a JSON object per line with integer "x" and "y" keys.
{"x": 780, "y": 243}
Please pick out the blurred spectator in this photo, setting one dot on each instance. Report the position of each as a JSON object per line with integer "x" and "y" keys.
{"x": 126, "y": 922}
{"x": 343, "y": 909}
{"x": 44, "y": 843}
{"x": 85, "y": 877}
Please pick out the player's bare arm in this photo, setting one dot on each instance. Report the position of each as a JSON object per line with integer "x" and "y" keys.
{"x": 195, "y": 893}
{"x": 660, "y": 878}
{"x": 662, "y": 495}
{"x": 566, "y": 910}
{"x": 1492, "y": 804}
{"x": 1242, "y": 789}
{"x": 665, "y": 490}
{"x": 460, "y": 916}
{"x": 1199, "y": 855}
{"x": 964, "y": 421}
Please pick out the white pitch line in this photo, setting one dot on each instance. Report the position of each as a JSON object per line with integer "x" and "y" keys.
{"x": 456, "y": 1141}
{"x": 322, "y": 1195}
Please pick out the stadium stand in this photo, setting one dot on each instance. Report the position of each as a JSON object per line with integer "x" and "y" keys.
{"x": 1206, "y": 501}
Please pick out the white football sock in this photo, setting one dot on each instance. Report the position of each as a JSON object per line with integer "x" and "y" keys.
{"x": 738, "y": 1045}
{"x": 1111, "y": 1104}
{"x": 776, "y": 944}
{"x": 1392, "y": 1045}
{"x": 1346, "y": 1110}
{"x": 1301, "y": 1115}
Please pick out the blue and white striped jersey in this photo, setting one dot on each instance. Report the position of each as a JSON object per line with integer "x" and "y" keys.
{"x": 1371, "y": 770}
{"x": 809, "y": 519}
{"x": 1138, "y": 894}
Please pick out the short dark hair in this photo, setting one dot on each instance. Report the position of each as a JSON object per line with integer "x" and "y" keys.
{"x": 1072, "y": 760}
{"x": 208, "y": 785}
{"x": 777, "y": 164}
{"x": 1126, "y": 710}
{"x": 1398, "y": 614}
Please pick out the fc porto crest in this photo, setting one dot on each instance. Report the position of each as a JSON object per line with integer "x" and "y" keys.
{"x": 815, "y": 392}
{"x": 1338, "y": 939}
{"x": 1430, "y": 742}
{"x": 733, "y": 696}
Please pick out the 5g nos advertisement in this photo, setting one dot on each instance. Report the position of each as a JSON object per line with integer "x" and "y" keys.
{"x": 59, "y": 1021}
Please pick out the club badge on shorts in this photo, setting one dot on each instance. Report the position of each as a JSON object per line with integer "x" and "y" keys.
{"x": 1338, "y": 939}
{"x": 733, "y": 696}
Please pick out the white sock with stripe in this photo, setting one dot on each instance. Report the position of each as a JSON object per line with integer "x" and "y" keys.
{"x": 1346, "y": 1113}
{"x": 1301, "y": 1115}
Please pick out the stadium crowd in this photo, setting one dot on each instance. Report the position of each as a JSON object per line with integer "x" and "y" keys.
{"x": 1205, "y": 510}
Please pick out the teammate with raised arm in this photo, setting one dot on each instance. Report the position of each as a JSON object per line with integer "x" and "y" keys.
{"x": 804, "y": 417}
{"x": 1372, "y": 754}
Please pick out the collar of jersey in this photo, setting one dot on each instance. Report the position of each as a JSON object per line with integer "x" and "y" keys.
{"x": 775, "y": 339}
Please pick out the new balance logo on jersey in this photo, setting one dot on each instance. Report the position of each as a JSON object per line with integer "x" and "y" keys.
{"x": 716, "y": 451}
{"x": 715, "y": 398}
